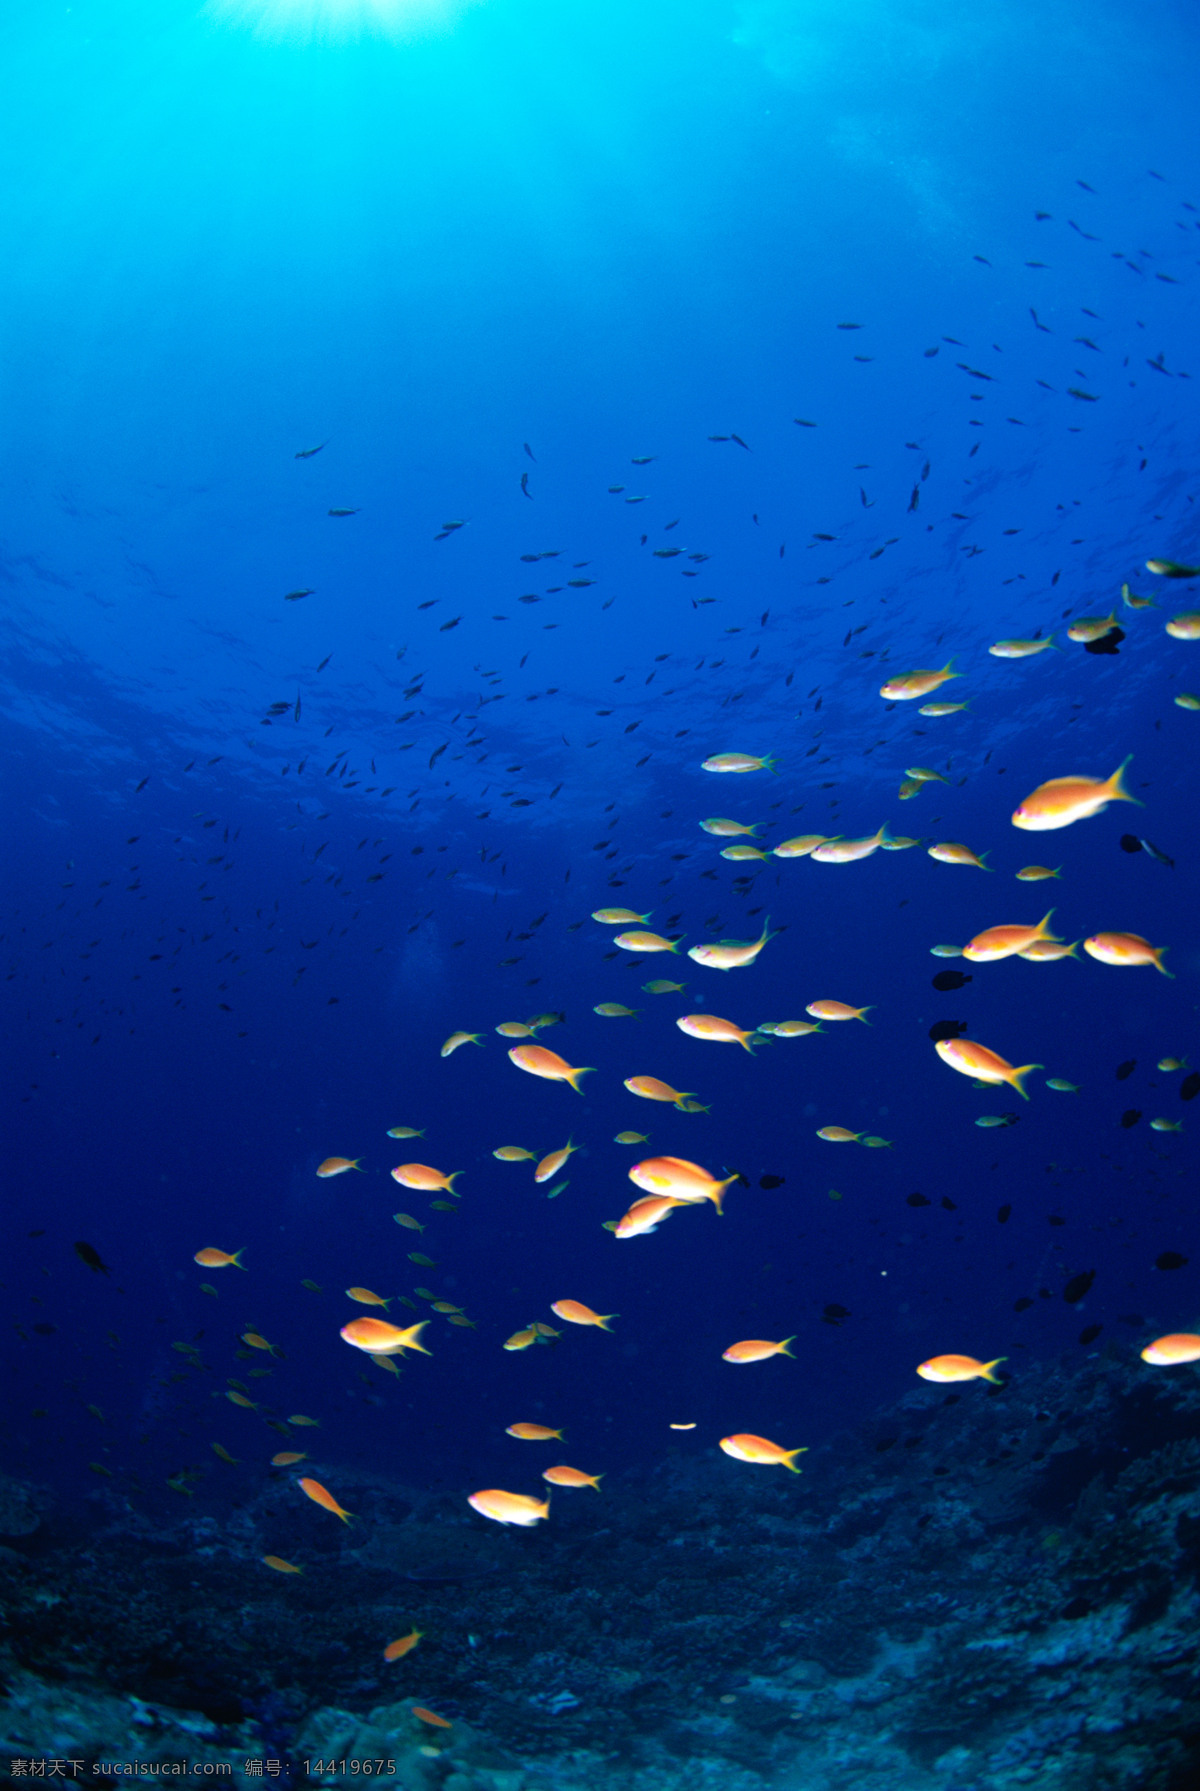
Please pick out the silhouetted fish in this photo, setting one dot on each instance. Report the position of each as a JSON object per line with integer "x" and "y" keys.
{"x": 949, "y": 979}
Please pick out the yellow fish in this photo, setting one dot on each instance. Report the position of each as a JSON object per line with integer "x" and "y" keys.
{"x": 379, "y": 1338}
{"x": 509, "y": 1508}
{"x": 684, "y": 1181}
{"x": 338, "y": 1166}
{"x": 910, "y": 685}
{"x": 1091, "y": 628}
{"x": 727, "y": 829}
{"x": 941, "y": 708}
{"x": 950, "y": 852}
{"x": 738, "y": 761}
{"x": 757, "y": 1350}
{"x": 651, "y": 1089}
{"x": 645, "y": 942}
{"x": 551, "y": 1164}
{"x": 513, "y": 1153}
{"x": 737, "y": 853}
{"x": 1019, "y": 649}
{"x": 838, "y": 1010}
{"x": 801, "y": 846}
{"x": 995, "y": 943}
{"x": 1185, "y": 626}
{"x": 460, "y": 1038}
{"x": 732, "y": 954}
{"x": 838, "y": 1135}
{"x": 630, "y": 1138}
{"x": 365, "y": 1297}
{"x": 1037, "y": 873}
{"x": 612, "y": 917}
{"x": 843, "y": 851}
{"x": 613, "y": 1010}
{"x": 406, "y": 1132}
{"x": 960, "y": 1368}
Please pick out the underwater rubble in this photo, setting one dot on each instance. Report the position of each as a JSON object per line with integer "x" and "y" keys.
{"x": 973, "y": 1591}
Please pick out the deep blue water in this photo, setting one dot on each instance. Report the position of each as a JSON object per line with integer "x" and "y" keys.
{"x": 614, "y": 233}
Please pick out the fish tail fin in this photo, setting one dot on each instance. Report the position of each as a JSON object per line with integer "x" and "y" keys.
{"x": 981, "y": 856}
{"x": 787, "y": 1458}
{"x": 756, "y": 829}
{"x": 783, "y": 1347}
{"x": 1016, "y": 1078}
{"x": 948, "y": 668}
{"x": 771, "y": 764}
{"x": 745, "y": 1040}
{"x": 357, "y": 1164}
{"x": 594, "y": 1482}
{"x": 766, "y": 932}
{"x": 987, "y": 1371}
{"x": 449, "y": 1181}
{"x": 1072, "y": 950}
{"x": 235, "y": 1261}
{"x": 864, "y": 1011}
{"x": 603, "y": 1324}
{"x": 1158, "y": 963}
{"x": 586, "y": 1070}
{"x": 1117, "y": 787}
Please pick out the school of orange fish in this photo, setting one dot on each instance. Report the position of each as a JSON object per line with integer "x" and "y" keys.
{"x": 668, "y": 1184}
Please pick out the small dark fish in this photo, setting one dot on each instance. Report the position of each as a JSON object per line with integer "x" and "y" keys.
{"x": 1078, "y": 1286}
{"x": 325, "y": 662}
{"x": 771, "y": 1181}
{"x": 1130, "y": 1117}
{"x": 834, "y": 1313}
{"x": 947, "y": 1029}
{"x": 950, "y": 1206}
{"x": 1130, "y": 842}
{"x": 1023, "y": 1304}
{"x": 949, "y": 979}
{"x": 529, "y": 451}
{"x": 1003, "y": 1215}
{"x": 916, "y": 1200}
{"x": 89, "y": 1254}
{"x": 1126, "y": 1069}
{"x": 1090, "y": 1333}
{"x": 341, "y": 513}
{"x": 307, "y": 453}
{"x": 1189, "y": 1088}
{"x": 36, "y": 1234}
{"x": 740, "y": 442}
{"x": 1170, "y": 1259}
{"x": 525, "y": 491}
{"x": 1107, "y": 643}
{"x": 44, "y": 1330}
{"x": 1149, "y": 846}
{"x": 295, "y": 596}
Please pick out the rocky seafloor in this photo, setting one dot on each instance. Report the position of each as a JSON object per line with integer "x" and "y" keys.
{"x": 977, "y": 1590}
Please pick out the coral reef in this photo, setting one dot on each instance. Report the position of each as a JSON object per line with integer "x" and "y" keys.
{"x": 977, "y": 1590}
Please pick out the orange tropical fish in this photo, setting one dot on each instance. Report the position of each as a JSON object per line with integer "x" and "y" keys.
{"x": 838, "y": 1010}
{"x": 746, "y": 1447}
{"x": 721, "y": 1032}
{"x": 644, "y": 942}
{"x": 338, "y": 1166}
{"x": 258, "y": 1342}
{"x": 616, "y": 917}
{"x": 1020, "y": 649}
{"x": 538, "y": 1061}
{"x": 1125, "y": 951}
{"x": 651, "y": 1089}
{"x": 423, "y": 1178}
{"x": 219, "y": 1259}
{"x": 551, "y": 1164}
{"x": 514, "y": 1153}
{"x": 280, "y": 1565}
{"x": 509, "y": 1508}
{"x": 970, "y": 1059}
{"x": 240, "y": 1399}
{"x": 1170, "y": 1351}
{"x": 522, "y": 1339}
{"x": 995, "y": 943}
{"x": 838, "y": 1135}
{"x": 572, "y": 1477}
{"x": 576, "y": 1313}
{"x": 737, "y": 761}
{"x": 1091, "y": 628}
{"x": 1037, "y": 873}
{"x": 431, "y": 1717}
{"x": 724, "y": 829}
{"x": 379, "y": 1338}
{"x": 682, "y": 1180}
{"x": 533, "y": 1433}
{"x": 312, "y": 1489}
{"x": 287, "y": 1458}
{"x": 756, "y": 1350}
{"x": 1064, "y": 800}
{"x": 646, "y": 1215}
{"x": 910, "y": 685}
{"x": 960, "y": 1368}
{"x": 405, "y": 1645}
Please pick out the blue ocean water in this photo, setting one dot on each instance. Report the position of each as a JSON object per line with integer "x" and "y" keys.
{"x": 430, "y": 435}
